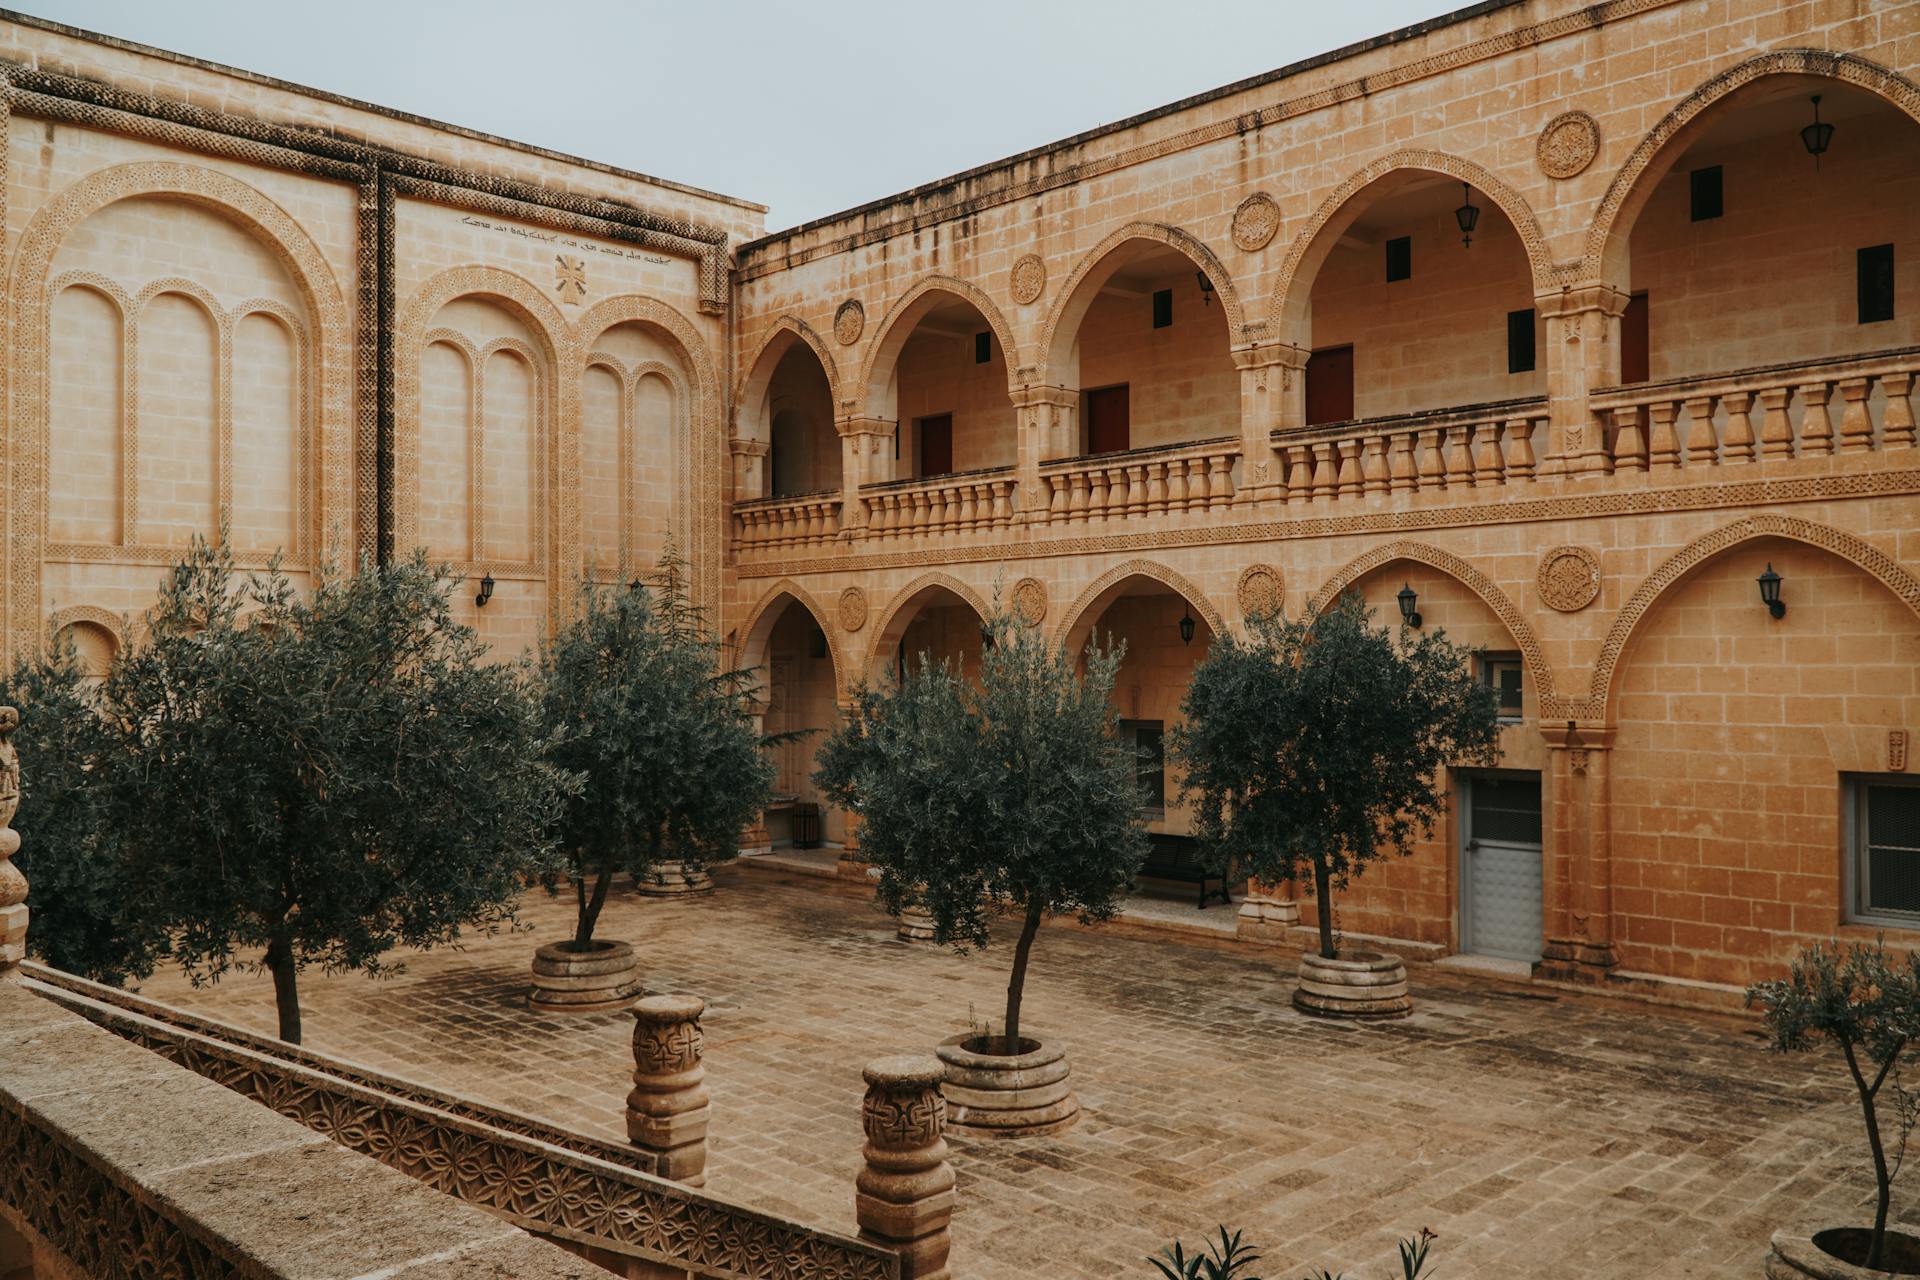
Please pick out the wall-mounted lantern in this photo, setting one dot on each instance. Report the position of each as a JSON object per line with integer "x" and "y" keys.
{"x": 1409, "y": 605}
{"x": 1467, "y": 215}
{"x": 1770, "y": 592}
{"x": 486, "y": 591}
{"x": 1186, "y": 626}
{"x": 1816, "y": 137}
{"x": 986, "y": 636}
{"x": 1206, "y": 288}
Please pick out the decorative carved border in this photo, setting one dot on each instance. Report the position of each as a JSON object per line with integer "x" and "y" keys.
{"x": 897, "y": 616}
{"x": 880, "y": 360}
{"x": 1086, "y": 608}
{"x": 1196, "y": 250}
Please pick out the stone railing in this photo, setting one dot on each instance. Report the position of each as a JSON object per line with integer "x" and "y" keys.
{"x": 1477, "y": 447}
{"x": 1815, "y": 408}
{"x": 766, "y": 523}
{"x": 960, "y": 503}
{"x": 1193, "y": 478}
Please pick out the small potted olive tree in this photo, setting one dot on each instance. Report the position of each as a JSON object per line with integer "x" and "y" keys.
{"x": 669, "y": 764}
{"x": 1014, "y": 797}
{"x": 1313, "y": 748}
{"x": 1867, "y": 1006}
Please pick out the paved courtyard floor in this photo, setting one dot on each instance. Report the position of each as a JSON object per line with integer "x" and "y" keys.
{"x": 1541, "y": 1135}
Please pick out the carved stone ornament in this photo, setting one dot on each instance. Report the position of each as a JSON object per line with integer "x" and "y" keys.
{"x": 849, "y": 322}
{"x": 1259, "y": 591}
{"x": 1256, "y": 221}
{"x": 1568, "y": 144}
{"x": 853, "y": 609}
{"x": 1028, "y": 279}
{"x": 1030, "y": 601}
{"x": 1569, "y": 578}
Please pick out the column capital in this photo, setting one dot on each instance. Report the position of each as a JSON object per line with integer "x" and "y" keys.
{"x": 1030, "y": 397}
{"x": 741, "y": 447}
{"x": 1264, "y": 355}
{"x": 865, "y": 426}
{"x": 1574, "y": 299}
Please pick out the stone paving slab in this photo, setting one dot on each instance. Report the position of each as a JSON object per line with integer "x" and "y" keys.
{"x": 1541, "y": 1134}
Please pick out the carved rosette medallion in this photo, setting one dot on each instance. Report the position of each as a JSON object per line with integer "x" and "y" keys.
{"x": 1255, "y": 222}
{"x": 1030, "y": 601}
{"x": 849, "y": 322}
{"x": 1259, "y": 591}
{"x": 1569, "y": 578}
{"x": 1568, "y": 144}
{"x": 1028, "y": 279}
{"x": 853, "y": 609}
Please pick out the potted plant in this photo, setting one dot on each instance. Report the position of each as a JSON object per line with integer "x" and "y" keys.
{"x": 1867, "y": 1005}
{"x": 1012, "y": 796}
{"x": 669, "y": 766}
{"x": 1228, "y": 1258}
{"x": 1314, "y": 747}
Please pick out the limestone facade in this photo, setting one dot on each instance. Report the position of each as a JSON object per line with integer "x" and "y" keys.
{"x": 1234, "y": 353}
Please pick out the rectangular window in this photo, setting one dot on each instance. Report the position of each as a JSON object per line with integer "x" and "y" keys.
{"x": 1330, "y": 386}
{"x": 983, "y": 348}
{"x": 1704, "y": 187}
{"x": 1162, "y": 308}
{"x": 1636, "y": 349}
{"x": 1876, "y": 284}
{"x": 1520, "y": 350}
{"x": 1148, "y": 738}
{"x": 1884, "y": 848}
{"x": 1109, "y": 426}
{"x": 1503, "y": 672}
{"x": 1400, "y": 259}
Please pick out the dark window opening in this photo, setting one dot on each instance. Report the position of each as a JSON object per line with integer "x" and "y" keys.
{"x": 1505, "y": 675}
{"x": 1148, "y": 738}
{"x": 1109, "y": 425}
{"x": 983, "y": 348}
{"x": 1520, "y": 347}
{"x": 1706, "y": 196}
{"x": 1162, "y": 308}
{"x": 1876, "y": 283}
{"x": 1886, "y": 846}
{"x": 1330, "y": 385}
{"x": 1635, "y": 355}
{"x": 1506, "y": 810}
{"x": 1400, "y": 259}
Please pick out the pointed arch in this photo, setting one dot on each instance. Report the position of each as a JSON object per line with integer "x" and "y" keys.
{"x": 758, "y": 372}
{"x": 1077, "y": 292}
{"x": 902, "y": 608}
{"x": 1888, "y": 571}
{"x": 751, "y": 650}
{"x": 891, "y": 334}
{"x": 1539, "y": 673}
{"x": 1293, "y": 286}
{"x": 1077, "y": 623}
{"x": 1656, "y": 153}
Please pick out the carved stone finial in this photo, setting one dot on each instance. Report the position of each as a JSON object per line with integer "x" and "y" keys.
{"x": 668, "y": 1107}
{"x": 904, "y": 1197}
{"x": 13, "y": 885}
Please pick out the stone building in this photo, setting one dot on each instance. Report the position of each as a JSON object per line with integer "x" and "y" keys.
{"x": 1569, "y": 325}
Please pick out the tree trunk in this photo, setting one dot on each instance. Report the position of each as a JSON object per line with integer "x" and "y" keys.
{"x": 286, "y": 985}
{"x": 590, "y": 910}
{"x": 1017, "y": 981}
{"x": 1882, "y": 1178}
{"x": 1324, "y": 892}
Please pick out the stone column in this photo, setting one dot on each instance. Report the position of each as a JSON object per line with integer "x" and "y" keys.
{"x": 1583, "y": 353}
{"x": 866, "y": 456}
{"x": 1044, "y": 430}
{"x": 1579, "y": 944}
{"x": 904, "y": 1197}
{"x": 1272, "y": 384}
{"x": 13, "y": 885}
{"x": 1268, "y": 914}
{"x": 667, "y": 1109}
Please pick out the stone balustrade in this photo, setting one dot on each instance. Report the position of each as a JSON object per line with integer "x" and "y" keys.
{"x": 1184, "y": 478}
{"x": 1813, "y": 408}
{"x": 784, "y": 523}
{"x": 1480, "y": 447}
{"x": 959, "y": 503}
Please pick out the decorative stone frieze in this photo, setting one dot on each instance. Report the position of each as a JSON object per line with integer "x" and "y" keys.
{"x": 1568, "y": 144}
{"x": 667, "y": 1108}
{"x": 1568, "y": 578}
{"x": 904, "y": 1195}
{"x": 1028, "y": 279}
{"x": 849, "y": 322}
{"x": 13, "y": 885}
{"x": 1255, "y": 222}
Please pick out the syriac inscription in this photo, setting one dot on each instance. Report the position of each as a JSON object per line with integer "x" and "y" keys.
{"x": 550, "y": 237}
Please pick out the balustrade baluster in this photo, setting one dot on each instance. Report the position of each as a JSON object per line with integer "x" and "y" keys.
{"x": 1082, "y": 498}
{"x": 1736, "y": 442}
{"x": 1220, "y": 467}
{"x": 1347, "y": 478}
{"x": 1776, "y": 428}
{"x": 1299, "y": 472}
{"x": 1136, "y": 491}
{"x": 1373, "y": 464}
{"x": 1489, "y": 467}
{"x": 1002, "y": 502}
{"x": 1433, "y": 468}
{"x": 1400, "y": 462}
{"x": 1663, "y": 447}
{"x": 1897, "y": 431}
{"x": 1323, "y": 472}
{"x": 1816, "y": 427}
{"x": 968, "y": 513}
{"x": 1520, "y": 449}
{"x": 1156, "y": 488}
{"x": 1856, "y": 420}
{"x": 1459, "y": 460}
{"x": 1703, "y": 448}
{"x": 1197, "y": 499}
{"x": 1177, "y": 484}
{"x": 1097, "y": 494}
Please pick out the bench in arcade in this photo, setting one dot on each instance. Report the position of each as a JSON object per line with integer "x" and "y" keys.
{"x": 1171, "y": 857}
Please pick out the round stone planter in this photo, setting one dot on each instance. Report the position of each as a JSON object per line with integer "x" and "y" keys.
{"x": 605, "y": 976}
{"x": 914, "y": 924}
{"x": 1023, "y": 1095}
{"x": 1797, "y": 1257}
{"x": 1355, "y": 984}
{"x": 673, "y": 880}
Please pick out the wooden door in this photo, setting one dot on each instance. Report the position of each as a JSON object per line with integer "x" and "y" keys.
{"x": 1330, "y": 385}
{"x": 1109, "y": 429}
{"x": 1635, "y": 352}
{"x": 936, "y": 445}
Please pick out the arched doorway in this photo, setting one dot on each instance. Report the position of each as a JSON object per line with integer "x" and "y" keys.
{"x": 939, "y": 372}
{"x": 786, "y": 408}
{"x": 788, "y": 648}
{"x": 936, "y": 621}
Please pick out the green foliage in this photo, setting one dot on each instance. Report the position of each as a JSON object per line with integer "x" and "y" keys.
{"x": 327, "y": 777}
{"x": 87, "y": 917}
{"x": 660, "y": 737}
{"x": 1868, "y": 1006}
{"x": 1015, "y": 795}
{"x": 1227, "y": 1257}
{"x": 1316, "y": 745}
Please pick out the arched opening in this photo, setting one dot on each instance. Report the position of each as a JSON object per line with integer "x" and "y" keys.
{"x": 1740, "y": 249}
{"x": 1144, "y": 339}
{"x": 939, "y": 372}
{"x": 788, "y": 406}
{"x": 1402, "y": 315}
{"x": 634, "y": 444}
{"x": 935, "y": 623}
{"x": 795, "y": 665}
{"x": 93, "y": 646}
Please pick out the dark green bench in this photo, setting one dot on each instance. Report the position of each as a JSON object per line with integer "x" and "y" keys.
{"x": 1172, "y": 858}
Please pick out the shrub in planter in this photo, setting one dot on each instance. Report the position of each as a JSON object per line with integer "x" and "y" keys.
{"x": 1867, "y": 1005}
{"x": 1313, "y": 748}
{"x": 668, "y": 763}
{"x": 1012, "y": 796}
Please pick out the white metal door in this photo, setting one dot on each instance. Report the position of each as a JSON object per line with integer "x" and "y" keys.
{"x": 1500, "y": 867}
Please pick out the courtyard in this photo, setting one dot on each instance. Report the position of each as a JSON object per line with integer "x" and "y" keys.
{"x": 1540, "y": 1134}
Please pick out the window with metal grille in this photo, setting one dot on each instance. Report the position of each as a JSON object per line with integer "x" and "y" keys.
{"x": 1162, "y": 308}
{"x": 1150, "y": 759}
{"x": 1400, "y": 259}
{"x": 1503, "y": 672}
{"x": 1706, "y": 193}
{"x": 1885, "y": 855}
{"x": 1506, "y": 810}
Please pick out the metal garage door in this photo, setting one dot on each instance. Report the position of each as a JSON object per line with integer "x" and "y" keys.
{"x": 1500, "y": 886}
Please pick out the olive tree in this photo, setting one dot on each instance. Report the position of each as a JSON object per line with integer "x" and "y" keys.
{"x": 1012, "y": 796}
{"x": 1314, "y": 746}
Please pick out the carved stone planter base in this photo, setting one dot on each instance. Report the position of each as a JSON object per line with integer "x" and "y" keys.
{"x": 915, "y": 924}
{"x": 673, "y": 880}
{"x": 1023, "y": 1095}
{"x": 1356, "y": 984}
{"x": 1797, "y": 1257}
{"x": 568, "y": 981}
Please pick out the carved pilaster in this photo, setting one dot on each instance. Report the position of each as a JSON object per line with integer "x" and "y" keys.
{"x": 667, "y": 1108}
{"x": 1046, "y": 425}
{"x": 1579, "y": 944}
{"x": 1272, "y": 383}
{"x": 1583, "y": 352}
{"x": 866, "y": 456}
{"x": 904, "y": 1196}
{"x": 749, "y": 468}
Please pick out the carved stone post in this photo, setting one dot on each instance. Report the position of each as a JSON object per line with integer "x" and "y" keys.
{"x": 1271, "y": 378}
{"x": 904, "y": 1197}
{"x": 667, "y": 1109}
{"x": 749, "y": 468}
{"x": 1579, "y": 943}
{"x": 1044, "y": 418}
{"x": 1583, "y": 353}
{"x": 1268, "y": 913}
{"x": 13, "y": 885}
{"x": 866, "y": 456}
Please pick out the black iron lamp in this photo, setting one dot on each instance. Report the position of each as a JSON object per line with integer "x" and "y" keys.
{"x": 634, "y": 585}
{"x": 1206, "y": 288}
{"x": 1467, "y": 215}
{"x": 986, "y": 636}
{"x": 1816, "y": 137}
{"x": 486, "y": 591}
{"x": 1409, "y": 605}
{"x": 1186, "y": 626}
{"x": 1770, "y": 592}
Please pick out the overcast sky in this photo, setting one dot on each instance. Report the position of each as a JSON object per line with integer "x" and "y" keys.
{"x": 807, "y": 108}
